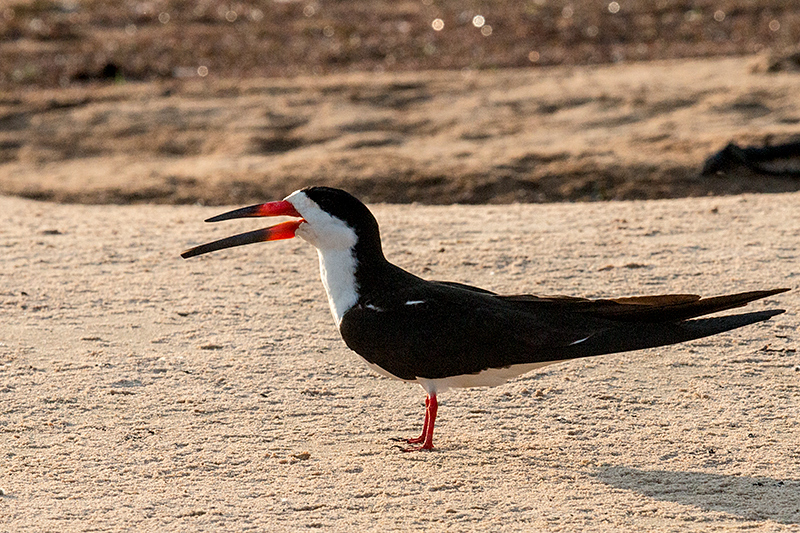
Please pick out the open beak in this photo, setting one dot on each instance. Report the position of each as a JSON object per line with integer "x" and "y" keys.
{"x": 284, "y": 230}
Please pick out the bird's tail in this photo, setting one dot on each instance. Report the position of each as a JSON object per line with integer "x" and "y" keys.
{"x": 638, "y": 338}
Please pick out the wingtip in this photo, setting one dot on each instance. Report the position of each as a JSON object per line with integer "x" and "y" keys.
{"x": 770, "y": 292}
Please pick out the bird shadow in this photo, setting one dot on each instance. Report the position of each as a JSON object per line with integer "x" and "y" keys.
{"x": 751, "y": 498}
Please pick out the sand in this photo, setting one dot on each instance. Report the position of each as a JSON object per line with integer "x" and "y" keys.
{"x": 142, "y": 392}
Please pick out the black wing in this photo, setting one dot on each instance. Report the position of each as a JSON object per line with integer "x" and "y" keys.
{"x": 435, "y": 330}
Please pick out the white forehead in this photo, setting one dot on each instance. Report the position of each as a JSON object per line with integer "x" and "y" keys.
{"x": 321, "y": 229}
{"x": 302, "y": 202}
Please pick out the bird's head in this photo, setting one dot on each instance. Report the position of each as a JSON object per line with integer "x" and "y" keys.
{"x": 329, "y": 219}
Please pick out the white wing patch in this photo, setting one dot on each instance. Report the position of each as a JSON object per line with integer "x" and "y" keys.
{"x": 415, "y": 302}
{"x": 580, "y": 341}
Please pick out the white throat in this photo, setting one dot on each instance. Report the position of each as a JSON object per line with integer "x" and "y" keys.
{"x": 337, "y": 268}
{"x": 335, "y": 243}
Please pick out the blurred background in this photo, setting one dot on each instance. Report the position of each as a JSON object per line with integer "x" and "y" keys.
{"x": 51, "y": 43}
{"x": 412, "y": 100}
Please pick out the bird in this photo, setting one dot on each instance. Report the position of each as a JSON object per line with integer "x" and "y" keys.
{"x": 444, "y": 334}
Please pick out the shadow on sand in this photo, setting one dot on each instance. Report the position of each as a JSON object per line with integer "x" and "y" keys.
{"x": 751, "y": 498}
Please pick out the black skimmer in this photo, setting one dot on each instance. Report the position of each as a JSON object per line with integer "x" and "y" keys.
{"x": 443, "y": 334}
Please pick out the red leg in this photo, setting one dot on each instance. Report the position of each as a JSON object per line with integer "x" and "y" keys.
{"x": 421, "y": 438}
{"x": 431, "y": 408}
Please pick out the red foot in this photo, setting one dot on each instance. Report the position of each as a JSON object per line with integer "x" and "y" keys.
{"x": 426, "y": 439}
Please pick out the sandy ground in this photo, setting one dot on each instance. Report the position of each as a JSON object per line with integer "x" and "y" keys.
{"x": 142, "y": 392}
{"x": 628, "y": 131}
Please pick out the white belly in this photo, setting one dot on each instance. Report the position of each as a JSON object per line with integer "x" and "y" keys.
{"x": 491, "y": 377}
